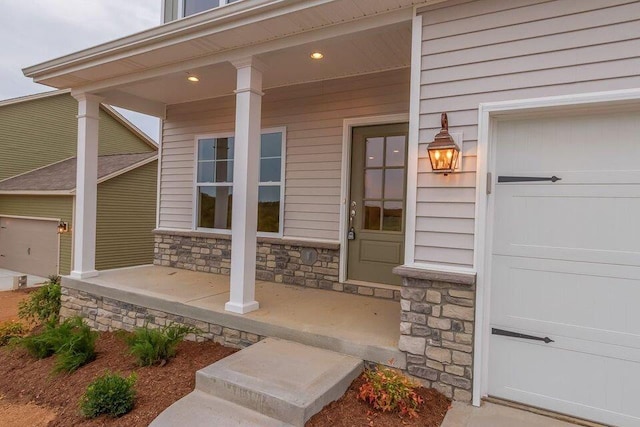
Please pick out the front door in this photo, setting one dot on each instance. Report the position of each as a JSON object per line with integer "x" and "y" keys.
{"x": 377, "y": 204}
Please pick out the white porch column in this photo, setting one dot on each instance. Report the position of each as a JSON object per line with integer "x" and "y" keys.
{"x": 244, "y": 222}
{"x": 84, "y": 219}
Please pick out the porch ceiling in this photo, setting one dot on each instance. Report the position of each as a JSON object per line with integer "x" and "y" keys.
{"x": 365, "y": 52}
{"x": 359, "y": 36}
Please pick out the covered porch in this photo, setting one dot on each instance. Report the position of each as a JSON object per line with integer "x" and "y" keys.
{"x": 222, "y": 80}
{"x": 124, "y": 298}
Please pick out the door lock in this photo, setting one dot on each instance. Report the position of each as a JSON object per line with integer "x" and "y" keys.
{"x": 351, "y": 235}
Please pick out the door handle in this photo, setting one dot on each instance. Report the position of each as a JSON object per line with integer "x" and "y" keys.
{"x": 28, "y": 251}
{"x": 512, "y": 334}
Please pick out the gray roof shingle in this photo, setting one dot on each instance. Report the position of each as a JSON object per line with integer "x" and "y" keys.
{"x": 61, "y": 176}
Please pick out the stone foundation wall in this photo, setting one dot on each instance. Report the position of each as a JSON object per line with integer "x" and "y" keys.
{"x": 106, "y": 314}
{"x": 437, "y": 330}
{"x": 315, "y": 265}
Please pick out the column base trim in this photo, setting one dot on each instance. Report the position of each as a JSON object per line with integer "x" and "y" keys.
{"x": 242, "y": 308}
{"x": 83, "y": 274}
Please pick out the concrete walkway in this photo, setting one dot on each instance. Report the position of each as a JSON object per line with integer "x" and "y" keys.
{"x": 273, "y": 383}
{"x": 7, "y": 277}
{"x": 492, "y": 415}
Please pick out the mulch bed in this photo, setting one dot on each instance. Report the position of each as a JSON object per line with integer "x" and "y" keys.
{"x": 24, "y": 379}
{"x": 9, "y": 303}
{"x": 348, "y": 411}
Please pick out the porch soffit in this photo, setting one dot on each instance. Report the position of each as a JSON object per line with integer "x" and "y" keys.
{"x": 203, "y": 39}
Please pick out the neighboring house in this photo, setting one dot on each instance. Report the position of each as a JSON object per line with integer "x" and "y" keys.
{"x": 308, "y": 118}
{"x": 38, "y": 139}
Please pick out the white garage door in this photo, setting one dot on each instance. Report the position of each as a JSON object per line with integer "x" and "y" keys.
{"x": 29, "y": 246}
{"x": 566, "y": 265}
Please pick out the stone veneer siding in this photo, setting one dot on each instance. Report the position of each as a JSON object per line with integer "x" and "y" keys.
{"x": 106, "y": 314}
{"x": 314, "y": 265}
{"x": 437, "y": 325}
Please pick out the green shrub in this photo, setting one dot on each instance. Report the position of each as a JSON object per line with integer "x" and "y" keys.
{"x": 72, "y": 342}
{"x": 109, "y": 394}
{"x": 43, "y": 305}
{"x": 388, "y": 390}
{"x": 151, "y": 346}
{"x": 10, "y": 330}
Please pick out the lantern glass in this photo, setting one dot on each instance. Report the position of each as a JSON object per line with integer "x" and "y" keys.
{"x": 443, "y": 158}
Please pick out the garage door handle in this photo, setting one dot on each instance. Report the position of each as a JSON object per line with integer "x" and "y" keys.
{"x": 512, "y": 334}
{"x": 527, "y": 178}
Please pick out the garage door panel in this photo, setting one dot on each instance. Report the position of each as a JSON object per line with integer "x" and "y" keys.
{"x": 554, "y": 378}
{"x": 581, "y": 223}
{"x": 541, "y": 296}
{"x": 29, "y": 246}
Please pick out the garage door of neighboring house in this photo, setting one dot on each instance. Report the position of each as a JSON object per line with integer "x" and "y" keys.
{"x": 29, "y": 246}
{"x": 565, "y": 265}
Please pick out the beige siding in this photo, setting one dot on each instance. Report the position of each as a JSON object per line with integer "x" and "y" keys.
{"x": 313, "y": 114}
{"x": 42, "y": 131}
{"x": 496, "y": 50}
{"x": 126, "y": 218}
{"x": 58, "y": 207}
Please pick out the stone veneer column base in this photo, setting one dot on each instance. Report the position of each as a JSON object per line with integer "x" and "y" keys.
{"x": 292, "y": 262}
{"x": 437, "y": 325}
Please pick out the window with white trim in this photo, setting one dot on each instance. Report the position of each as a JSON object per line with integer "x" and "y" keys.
{"x": 214, "y": 182}
{"x": 191, "y": 7}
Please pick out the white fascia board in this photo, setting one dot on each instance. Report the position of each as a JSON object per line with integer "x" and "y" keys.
{"x": 37, "y": 193}
{"x": 202, "y": 24}
{"x": 20, "y": 99}
{"x": 130, "y": 126}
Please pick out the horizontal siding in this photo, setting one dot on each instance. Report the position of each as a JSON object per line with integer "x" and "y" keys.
{"x": 496, "y": 50}
{"x": 313, "y": 115}
{"x": 59, "y": 207}
{"x": 126, "y": 218}
{"x": 43, "y": 131}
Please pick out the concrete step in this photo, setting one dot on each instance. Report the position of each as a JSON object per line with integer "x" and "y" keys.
{"x": 199, "y": 409}
{"x": 281, "y": 379}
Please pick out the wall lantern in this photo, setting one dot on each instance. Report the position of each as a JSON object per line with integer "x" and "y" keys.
{"x": 63, "y": 227}
{"x": 443, "y": 150}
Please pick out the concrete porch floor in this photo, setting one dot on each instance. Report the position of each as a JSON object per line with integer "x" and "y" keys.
{"x": 365, "y": 327}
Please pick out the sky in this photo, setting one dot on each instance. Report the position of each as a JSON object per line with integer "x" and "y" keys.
{"x": 34, "y": 31}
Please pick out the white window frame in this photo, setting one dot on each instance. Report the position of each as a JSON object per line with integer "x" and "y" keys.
{"x": 182, "y": 8}
{"x": 283, "y": 131}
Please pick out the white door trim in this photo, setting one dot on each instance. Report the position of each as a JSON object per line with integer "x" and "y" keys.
{"x": 487, "y": 113}
{"x": 345, "y": 175}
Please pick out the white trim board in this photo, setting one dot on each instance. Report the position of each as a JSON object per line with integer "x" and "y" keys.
{"x": 345, "y": 176}
{"x": 487, "y": 115}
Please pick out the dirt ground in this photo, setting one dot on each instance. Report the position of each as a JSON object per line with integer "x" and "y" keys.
{"x": 25, "y": 380}
{"x": 348, "y": 411}
{"x": 9, "y": 303}
{"x": 21, "y": 415}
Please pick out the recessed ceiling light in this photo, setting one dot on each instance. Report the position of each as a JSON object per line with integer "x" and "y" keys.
{"x": 396, "y": 151}
{"x": 193, "y": 79}
{"x": 317, "y": 55}
{"x": 371, "y": 157}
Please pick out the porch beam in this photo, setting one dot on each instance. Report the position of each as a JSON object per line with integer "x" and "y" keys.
{"x": 246, "y": 164}
{"x": 85, "y": 213}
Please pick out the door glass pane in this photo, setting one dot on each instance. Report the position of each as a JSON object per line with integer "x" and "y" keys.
{"x": 395, "y": 151}
{"x": 374, "y": 152}
{"x": 372, "y": 215}
{"x": 392, "y": 216}
{"x": 206, "y": 149}
{"x": 270, "y": 170}
{"x": 271, "y": 145}
{"x": 224, "y": 148}
{"x": 394, "y": 184}
{"x": 269, "y": 209}
{"x": 373, "y": 184}
{"x": 214, "y": 207}
{"x": 224, "y": 171}
{"x": 205, "y": 171}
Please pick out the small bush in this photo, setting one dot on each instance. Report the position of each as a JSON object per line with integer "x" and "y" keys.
{"x": 157, "y": 346}
{"x": 72, "y": 342}
{"x": 109, "y": 394}
{"x": 388, "y": 390}
{"x": 10, "y": 330}
{"x": 43, "y": 305}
